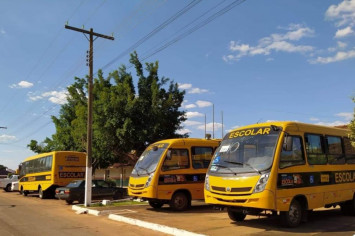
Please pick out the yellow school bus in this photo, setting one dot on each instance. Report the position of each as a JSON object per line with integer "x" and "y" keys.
{"x": 285, "y": 168}
{"x": 172, "y": 171}
{"x": 45, "y": 172}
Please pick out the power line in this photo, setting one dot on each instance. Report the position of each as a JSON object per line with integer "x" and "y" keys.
{"x": 42, "y": 55}
{"x": 154, "y": 31}
{"x": 71, "y": 72}
{"x": 198, "y": 26}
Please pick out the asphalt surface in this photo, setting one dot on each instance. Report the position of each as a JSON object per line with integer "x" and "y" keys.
{"x": 32, "y": 216}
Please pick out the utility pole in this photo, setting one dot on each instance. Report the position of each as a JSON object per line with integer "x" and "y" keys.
{"x": 213, "y": 121}
{"x": 88, "y": 169}
{"x": 222, "y": 123}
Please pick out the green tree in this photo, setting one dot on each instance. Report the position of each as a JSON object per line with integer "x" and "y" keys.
{"x": 352, "y": 128}
{"x": 123, "y": 119}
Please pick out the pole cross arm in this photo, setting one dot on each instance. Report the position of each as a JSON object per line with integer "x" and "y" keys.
{"x": 89, "y": 32}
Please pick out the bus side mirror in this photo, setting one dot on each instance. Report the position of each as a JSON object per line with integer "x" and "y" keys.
{"x": 168, "y": 155}
{"x": 287, "y": 145}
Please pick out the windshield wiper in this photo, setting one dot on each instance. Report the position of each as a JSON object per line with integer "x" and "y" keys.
{"x": 144, "y": 170}
{"x": 241, "y": 163}
{"x": 222, "y": 166}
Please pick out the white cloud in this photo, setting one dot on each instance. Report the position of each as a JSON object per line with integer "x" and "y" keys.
{"x": 348, "y": 116}
{"x": 343, "y": 13}
{"x": 191, "y": 90}
{"x": 313, "y": 119}
{"x": 341, "y": 33}
{"x": 57, "y": 97}
{"x": 209, "y": 126}
{"x": 22, "y": 84}
{"x": 189, "y": 106}
{"x": 6, "y": 138}
{"x": 200, "y": 103}
{"x": 273, "y": 43}
{"x": 192, "y": 123}
{"x": 339, "y": 56}
{"x": 197, "y": 91}
{"x": 2, "y": 31}
{"x": 183, "y": 131}
{"x": 192, "y": 114}
{"x": 334, "y": 123}
{"x": 184, "y": 86}
{"x": 341, "y": 44}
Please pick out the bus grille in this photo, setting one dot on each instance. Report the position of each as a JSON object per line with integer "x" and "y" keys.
{"x": 233, "y": 190}
{"x": 232, "y": 201}
{"x": 137, "y": 186}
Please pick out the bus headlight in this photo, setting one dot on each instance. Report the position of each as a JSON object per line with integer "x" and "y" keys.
{"x": 260, "y": 186}
{"x": 147, "y": 184}
{"x": 207, "y": 183}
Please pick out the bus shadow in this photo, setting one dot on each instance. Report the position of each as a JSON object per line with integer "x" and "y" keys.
{"x": 327, "y": 220}
{"x": 192, "y": 209}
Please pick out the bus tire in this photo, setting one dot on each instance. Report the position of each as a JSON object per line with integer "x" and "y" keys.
{"x": 179, "y": 201}
{"x": 7, "y": 188}
{"x": 156, "y": 204}
{"x": 348, "y": 207}
{"x": 292, "y": 218}
{"x": 236, "y": 215}
{"x": 23, "y": 192}
{"x": 41, "y": 193}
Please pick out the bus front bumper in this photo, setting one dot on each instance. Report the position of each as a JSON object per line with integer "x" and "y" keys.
{"x": 263, "y": 200}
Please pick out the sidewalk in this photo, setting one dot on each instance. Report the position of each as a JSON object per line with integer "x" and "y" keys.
{"x": 116, "y": 213}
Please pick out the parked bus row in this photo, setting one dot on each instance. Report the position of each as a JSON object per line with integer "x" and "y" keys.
{"x": 285, "y": 168}
{"x": 276, "y": 168}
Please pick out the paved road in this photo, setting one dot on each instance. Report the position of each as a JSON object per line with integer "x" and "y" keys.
{"x": 202, "y": 219}
{"x": 32, "y": 216}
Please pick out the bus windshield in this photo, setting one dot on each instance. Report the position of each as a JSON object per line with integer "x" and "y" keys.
{"x": 245, "y": 151}
{"x": 149, "y": 159}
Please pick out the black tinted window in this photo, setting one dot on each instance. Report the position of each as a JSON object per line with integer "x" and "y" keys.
{"x": 293, "y": 157}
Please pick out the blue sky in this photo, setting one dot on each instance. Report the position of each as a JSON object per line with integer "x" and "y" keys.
{"x": 259, "y": 61}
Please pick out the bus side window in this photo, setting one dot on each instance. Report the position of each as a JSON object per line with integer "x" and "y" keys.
{"x": 335, "y": 152}
{"x": 349, "y": 151}
{"x": 201, "y": 157}
{"x": 315, "y": 149}
{"x": 293, "y": 157}
{"x": 179, "y": 159}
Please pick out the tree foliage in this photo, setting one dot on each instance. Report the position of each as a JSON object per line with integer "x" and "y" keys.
{"x": 123, "y": 119}
{"x": 352, "y": 128}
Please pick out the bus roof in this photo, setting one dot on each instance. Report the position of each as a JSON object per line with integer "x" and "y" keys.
{"x": 298, "y": 126}
{"x": 189, "y": 140}
{"x": 49, "y": 153}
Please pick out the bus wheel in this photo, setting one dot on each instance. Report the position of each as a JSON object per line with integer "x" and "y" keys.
{"x": 156, "y": 204}
{"x": 41, "y": 193}
{"x": 179, "y": 201}
{"x": 23, "y": 192}
{"x": 348, "y": 207}
{"x": 293, "y": 216}
{"x": 236, "y": 216}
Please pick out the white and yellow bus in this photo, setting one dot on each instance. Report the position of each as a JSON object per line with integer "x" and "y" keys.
{"x": 287, "y": 168}
{"x": 172, "y": 172}
{"x": 45, "y": 172}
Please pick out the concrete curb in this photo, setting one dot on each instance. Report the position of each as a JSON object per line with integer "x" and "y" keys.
{"x": 79, "y": 210}
{"x": 139, "y": 223}
{"x": 152, "y": 226}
